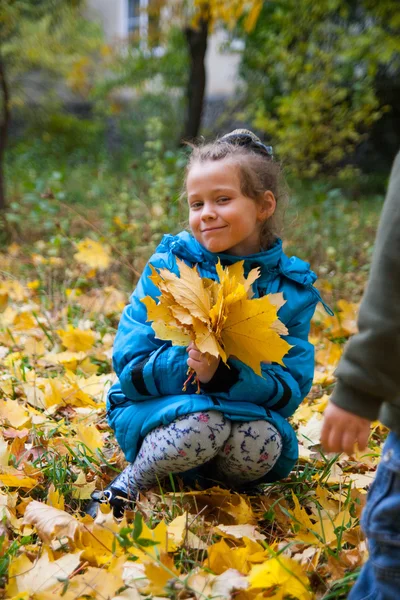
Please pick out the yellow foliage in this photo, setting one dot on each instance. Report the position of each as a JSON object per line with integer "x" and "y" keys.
{"x": 77, "y": 340}
{"x": 54, "y": 498}
{"x": 284, "y": 574}
{"x": 13, "y": 413}
{"x": 219, "y": 317}
{"x": 31, "y": 578}
{"x": 160, "y": 573}
{"x": 81, "y": 489}
{"x": 52, "y": 402}
{"x": 92, "y": 255}
{"x": 90, "y": 436}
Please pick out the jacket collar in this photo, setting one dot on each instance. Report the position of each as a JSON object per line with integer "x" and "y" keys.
{"x": 271, "y": 261}
{"x": 185, "y": 246}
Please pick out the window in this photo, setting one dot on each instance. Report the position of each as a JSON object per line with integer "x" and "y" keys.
{"x": 134, "y": 20}
{"x": 143, "y": 23}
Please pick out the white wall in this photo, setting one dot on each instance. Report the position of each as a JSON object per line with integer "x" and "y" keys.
{"x": 113, "y": 15}
{"x": 222, "y": 67}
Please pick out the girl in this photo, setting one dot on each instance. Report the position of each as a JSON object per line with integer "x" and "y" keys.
{"x": 236, "y": 430}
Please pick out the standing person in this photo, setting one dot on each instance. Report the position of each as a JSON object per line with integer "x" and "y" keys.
{"x": 238, "y": 425}
{"x": 368, "y": 388}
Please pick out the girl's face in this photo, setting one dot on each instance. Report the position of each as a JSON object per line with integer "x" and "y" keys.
{"x": 221, "y": 218}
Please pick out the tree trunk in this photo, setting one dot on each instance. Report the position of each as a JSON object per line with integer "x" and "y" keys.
{"x": 4, "y": 126}
{"x": 197, "y": 43}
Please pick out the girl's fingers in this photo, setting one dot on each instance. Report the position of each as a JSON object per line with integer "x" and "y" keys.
{"x": 195, "y": 354}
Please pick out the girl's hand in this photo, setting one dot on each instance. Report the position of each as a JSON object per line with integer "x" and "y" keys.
{"x": 342, "y": 429}
{"x": 204, "y": 365}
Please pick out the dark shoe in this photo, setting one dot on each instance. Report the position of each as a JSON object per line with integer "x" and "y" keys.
{"x": 117, "y": 499}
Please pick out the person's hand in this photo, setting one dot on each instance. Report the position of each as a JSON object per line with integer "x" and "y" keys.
{"x": 342, "y": 429}
{"x": 204, "y": 365}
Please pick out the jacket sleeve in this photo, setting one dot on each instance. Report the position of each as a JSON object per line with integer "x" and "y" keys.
{"x": 281, "y": 389}
{"x": 146, "y": 367}
{"x": 368, "y": 373}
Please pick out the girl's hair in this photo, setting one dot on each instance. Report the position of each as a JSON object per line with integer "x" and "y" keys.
{"x": 259, "y": 172}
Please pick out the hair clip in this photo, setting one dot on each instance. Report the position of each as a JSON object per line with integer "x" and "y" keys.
{"x": 245, "y": 139}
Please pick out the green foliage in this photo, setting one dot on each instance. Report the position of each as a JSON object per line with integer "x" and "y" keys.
{"x": 311, "y": 70}
{"x": 160, "y": 68}
{"x": 59, "y": 197}
{"x": 154, "y": 78}
{"x": 334, "y": 230}
{"x": 65, "y": 135}
{"x": 56, "y": 199}
{"x": 49, "y": 35}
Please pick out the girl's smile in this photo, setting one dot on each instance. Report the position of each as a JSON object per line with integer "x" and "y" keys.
{"x": 221, "y": 217}
{"x": 213, "y": 228}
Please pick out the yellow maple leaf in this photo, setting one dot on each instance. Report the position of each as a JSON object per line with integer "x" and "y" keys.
{"x": 160, "y": 574}
{"x": 81, "y": 489}
{"x": 233, "y": 507}
{"x": 158, "y": 535}
{"x": 283, "y": 573}
{"x": 330, "y": 355}
{"x": 14, "y": 290}
{"x": 95, "y": 582}
{"x": 4, "y": 452}
{"x": 90, "y": 436}
{"x": 17, "y": 479}
{"x": 175, "y": 336}
{"x": 68, "y": 359}
{"x": 14, "y": 414}
{"x": 55, "y": 498}
{"x": 222, "y": 557}
{"x": 42, "y": 575}
{"x": 247, "y": 333}
{"x": 239, "y": 532}
{"x": 77, "y": 340}
{"x": 177, "y": 529}
{"x": 221, "y": 318}
{"x": 322, "y": 532}
{"x": 188, "y": 290}
{"x": 51, "y": 522}
{"x": 24, "y": 321}
{"x": 92, "y": 254}
{"x": 34, "y": 347}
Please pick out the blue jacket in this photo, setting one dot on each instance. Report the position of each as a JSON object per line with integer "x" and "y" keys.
{"x": 151, "y": 372}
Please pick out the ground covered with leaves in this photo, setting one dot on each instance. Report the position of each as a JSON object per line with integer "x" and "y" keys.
{"x": 299, "y": 538}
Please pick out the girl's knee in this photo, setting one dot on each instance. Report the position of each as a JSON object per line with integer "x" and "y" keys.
{"x": 255, "y": 435}
{"x": 209, "y": 428}
{"x": 212, "y": 424}
{"x": 250, "y": 452}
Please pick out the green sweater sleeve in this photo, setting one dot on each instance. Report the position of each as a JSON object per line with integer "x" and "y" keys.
{"x": 369, "y": 371}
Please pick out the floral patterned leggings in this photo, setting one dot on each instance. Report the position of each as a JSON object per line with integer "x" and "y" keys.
{"x": 236, "y": 452}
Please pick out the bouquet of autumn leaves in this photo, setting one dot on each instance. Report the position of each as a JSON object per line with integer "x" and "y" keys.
{"x": 221, "y": 318}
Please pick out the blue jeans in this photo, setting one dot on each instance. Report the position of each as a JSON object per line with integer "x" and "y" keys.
{"x": 380, "y": 576}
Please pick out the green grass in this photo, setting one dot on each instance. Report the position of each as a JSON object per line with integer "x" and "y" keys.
{"x": 330, "y": 224}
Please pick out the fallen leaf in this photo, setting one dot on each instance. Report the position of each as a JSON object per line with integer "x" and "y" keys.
{"x": 77, "y": 340}
{"x": 92, "y": 254}
{"x": 285, "y": 574}
{"x": 239, "y": 531}
{"x": 51, "y": 522}
{"x": 160, "y": 573}
{"x": 43, "y": 574}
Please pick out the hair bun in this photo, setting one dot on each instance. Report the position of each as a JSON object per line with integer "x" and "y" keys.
{"x": 236, "y": 132}
{"x": 247, "y": 139}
